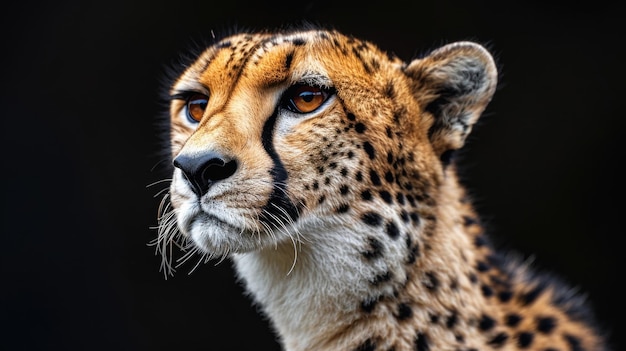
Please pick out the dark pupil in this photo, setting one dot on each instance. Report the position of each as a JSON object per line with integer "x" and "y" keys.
{"x": 307, "y": 96}
{"x": 200, "y": 103}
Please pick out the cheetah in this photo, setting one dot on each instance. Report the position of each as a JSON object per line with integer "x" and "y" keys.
{"x": 323, "y": 168}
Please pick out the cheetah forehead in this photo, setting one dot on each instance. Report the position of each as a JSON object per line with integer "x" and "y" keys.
{"x": 274, "y": 58}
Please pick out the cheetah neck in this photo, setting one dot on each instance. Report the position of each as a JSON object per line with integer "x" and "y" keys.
{"x": 334, "y": 299}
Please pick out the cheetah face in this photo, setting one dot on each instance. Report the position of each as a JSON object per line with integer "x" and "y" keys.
{"x": 246, "y": 123}
{"x": 275, "y": 135}
{"x": 232, "y": 186}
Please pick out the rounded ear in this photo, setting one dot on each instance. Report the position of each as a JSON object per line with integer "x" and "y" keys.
{"x": 453, "y": 83}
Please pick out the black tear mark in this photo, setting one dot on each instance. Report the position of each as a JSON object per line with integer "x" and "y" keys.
{"x": 279, "y": 208}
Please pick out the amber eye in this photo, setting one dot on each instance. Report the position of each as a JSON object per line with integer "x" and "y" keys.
{"x": 196, "y": 104}
{"x": 305, "y": 98}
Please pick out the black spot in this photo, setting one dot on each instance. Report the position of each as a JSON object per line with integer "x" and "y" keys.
{"x": 415, "y": 218}
{"x": 434, "y": 318}
{"x": 410, "y": 199}
{"x": 486, "y": 323}
{"x": 421, "y": 342}
{"x": 344, "y": 172}
{"x": 389, "y": 132}
{"x": 414, "y": 252}
{"x": 392, "y": 230}
{"x": 505, "y": 296}
{"x": 367, "y": 345}
{"x": 358, "y": 176}
{"x": 343, "y": 208}
{"x": 327, "y": 180}
{"x": 512, "y": 320}
{"x": 482, "y": 266}
{"x": 432, "y": 282}
{"x": 405, "y": 216}
{"x": 369, "y": 149}
{"x": 332, "y": 165}
{"x": 375, "y": 249}
{"x": 389, "y": 177}
{"x": 381, "y": 278}
{"x": 390, "y": 157}
{"x": 366, "y": 195}
{"x": 386, "y": 196}
{"x": 298, "y": 41}
{"x": 321, "y": 199}
{"x": 530, "y": 297}
{"x": 468, "y": 221}
{"x": 351, "y": 116}
{"x": 499, "y": 339}
{"x": 369, "y": 304}
{"x": 389, "y": 88}
{"x": 574, "y": 343}
{"x": 446, "y": 157}
{"x": 400, "y": 198}
{"x": 344, "y": 189}
{"x": 524, "y": 339}
{"x": 374, "y": 177}
{"x": 372, "y": 218}
{"x": 473, "y": 278}
{"x": 480, "y": 241}
{"x": 359, "y": 127}
{"x": 546, "y": 324}
{"x": 404, "y": 312}
{"x": 487, "y": 291}
{"x": 350, "y": 154}
{"x": 452, "y": 320}
{"x": 454, "y": 284}
{"x": 288, "y": 60}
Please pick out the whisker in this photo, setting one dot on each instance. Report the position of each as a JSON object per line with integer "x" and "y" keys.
{"x": 159, "y": 163}
{"x": 159, "y": 182}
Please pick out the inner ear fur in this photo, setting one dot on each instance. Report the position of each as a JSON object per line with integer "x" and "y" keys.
{"x": 453, "y": 83}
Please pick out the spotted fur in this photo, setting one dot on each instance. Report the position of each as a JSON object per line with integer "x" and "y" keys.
{"x": 347, "y": 224}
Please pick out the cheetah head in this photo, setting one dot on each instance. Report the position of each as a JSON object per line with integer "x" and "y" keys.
{"x": 279, "y": 137}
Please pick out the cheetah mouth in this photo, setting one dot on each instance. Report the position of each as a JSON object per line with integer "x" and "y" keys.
{"x": 216, "y": 236}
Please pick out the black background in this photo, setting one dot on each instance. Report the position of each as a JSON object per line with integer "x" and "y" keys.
{"x": 79, "y": 104}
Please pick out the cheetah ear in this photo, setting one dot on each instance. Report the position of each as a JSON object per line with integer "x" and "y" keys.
{"x": 454, "y": 83}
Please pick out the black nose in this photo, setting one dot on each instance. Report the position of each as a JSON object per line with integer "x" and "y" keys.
{"x": 201, "y": 171}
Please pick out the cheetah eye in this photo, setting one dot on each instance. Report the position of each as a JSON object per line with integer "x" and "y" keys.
{"x": 196, "y": 104}
{"x": 305, "y": 98}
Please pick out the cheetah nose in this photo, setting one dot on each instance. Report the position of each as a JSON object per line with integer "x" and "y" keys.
{"x": 201, "y": 171}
